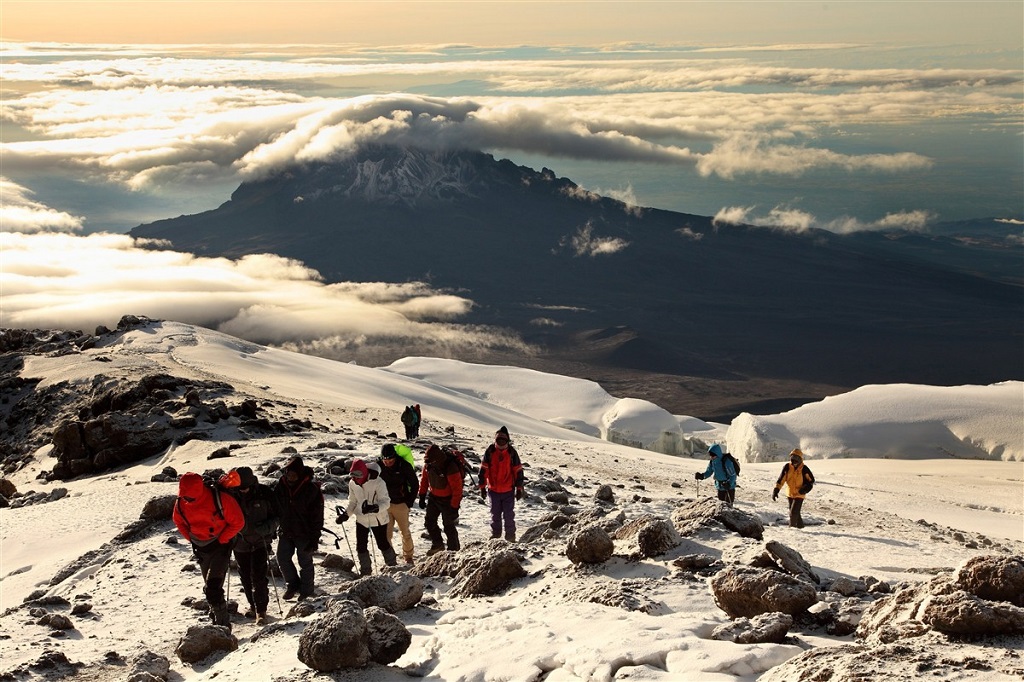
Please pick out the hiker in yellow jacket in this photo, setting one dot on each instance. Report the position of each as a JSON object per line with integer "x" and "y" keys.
{"x": 799, "y": 480}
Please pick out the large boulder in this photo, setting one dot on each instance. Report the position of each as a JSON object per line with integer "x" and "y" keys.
{"x": 653, "y": 535}
{"x": 590, "y": 545}
{"x": 199, "y": 641}
{"x": 746, "y": 591}
{"x": 337, "y": 639}
{"x": 689, "y": 518}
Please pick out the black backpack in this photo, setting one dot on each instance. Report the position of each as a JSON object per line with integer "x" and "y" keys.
{"x": 459, "y": 459}
{"x": 735, "y": 462}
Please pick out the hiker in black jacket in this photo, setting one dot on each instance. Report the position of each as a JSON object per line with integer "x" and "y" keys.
{"x": 252, "y": 548}
{"x": 400, "y": 479}
{"x": 301, "y": 506}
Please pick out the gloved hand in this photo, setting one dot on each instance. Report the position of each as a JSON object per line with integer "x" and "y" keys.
{"x": 410, "y": 501}
{"x": 775, "y": 494}
{"x": 370, "y": 508}
{"x": 423, "y": 501}
{"x": 483, "y": 494}
{"x": 519, "y": 493}
{"x": 699, "y": 476}
{"x": 804, "y": 489}
{"x": 342, "y": 516}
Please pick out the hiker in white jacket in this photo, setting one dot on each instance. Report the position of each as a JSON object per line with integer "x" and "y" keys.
{"x": 368, "y": 502}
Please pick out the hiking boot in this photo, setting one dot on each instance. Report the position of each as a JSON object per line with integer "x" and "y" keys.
{"x": 435, "y": 549}
{"x": 250, "y": 612}
{"x": 365, "y": 567}
{"x": 495, "y": 536}
{"x": 409, "y": 560}
{"x": 221, "y": 616}
{"x": 261, "y": 619}
{"x": 390, "y": 558}
{"x": 291, "y": 593}
{"x": 511, "y": 537}
{"x": 303, "y": 596}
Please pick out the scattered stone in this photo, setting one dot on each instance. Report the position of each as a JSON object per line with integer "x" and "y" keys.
{"x": 766, "y": 627}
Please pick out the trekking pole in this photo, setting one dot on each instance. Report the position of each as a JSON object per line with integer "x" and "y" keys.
{"x": 272, "y": 579}
{"x": 351, "y": 554}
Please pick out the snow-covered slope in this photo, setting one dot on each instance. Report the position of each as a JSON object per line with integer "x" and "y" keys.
{"x": 860, "y": 522}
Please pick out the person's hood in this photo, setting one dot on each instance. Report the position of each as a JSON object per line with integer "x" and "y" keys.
{"x": 717, "y": 449}
{"x": 798, "y": 454}
{"x": 433, "y": 455}
{"x": 191, "y": 486}
{"x": 373, "y": 470}
{"x": 295, "y": 464}
{"x": 359, "y": 472}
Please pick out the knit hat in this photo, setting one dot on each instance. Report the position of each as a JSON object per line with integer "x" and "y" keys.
{"x": 246, "y": 478}
{"x": 387, "y": 451}
{"x": 715, "y": 450}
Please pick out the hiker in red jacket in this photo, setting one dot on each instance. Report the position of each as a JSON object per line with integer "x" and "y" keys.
{"x": 210, "y": 521}
{"x": 502, "y": 472}
{"x": 442, "y": 477}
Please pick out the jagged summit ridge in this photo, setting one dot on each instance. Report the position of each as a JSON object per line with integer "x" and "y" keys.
{"x": 410, "y": 176}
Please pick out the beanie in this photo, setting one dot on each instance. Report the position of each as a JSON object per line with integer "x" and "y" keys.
{"x": 502, "y": 432}
{"x": 246, "y": 478}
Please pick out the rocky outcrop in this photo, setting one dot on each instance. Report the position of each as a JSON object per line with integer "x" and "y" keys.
{"x": 690, "y": 518}
{"x": 942, "y": 605}
{"x": 487, "y": 572}
{"x": 996, "y": 578}
{"x": 393, "y": 593}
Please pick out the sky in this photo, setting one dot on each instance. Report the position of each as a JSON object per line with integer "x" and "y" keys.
{"x": 843, "y": 115}
{"x": 921, "y": 516}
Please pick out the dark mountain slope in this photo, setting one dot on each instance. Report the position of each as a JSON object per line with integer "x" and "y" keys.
{"x": 699, "y": 301}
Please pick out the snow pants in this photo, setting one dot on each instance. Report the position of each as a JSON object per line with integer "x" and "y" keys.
{"x": 503, "y": 514}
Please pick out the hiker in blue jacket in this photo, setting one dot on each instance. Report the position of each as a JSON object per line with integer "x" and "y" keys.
{"x": 724, "y": 472}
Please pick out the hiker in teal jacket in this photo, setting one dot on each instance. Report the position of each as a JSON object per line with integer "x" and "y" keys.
{"x": 724, "y": 473}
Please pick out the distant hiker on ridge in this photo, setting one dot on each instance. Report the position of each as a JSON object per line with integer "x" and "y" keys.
{"x": 368, "y": 501}
{"x": 799, "y": 480}
{"x": 210, "y": 521}
{"x": 252, "y": 549}
{"x": 442, "y": 477}
{"x": 400, "y": 477}
{"x": 502, "y": 472}
{"x": 410, "y": 422}
{"x": 302, "y": 521}
{"x": 722, "y": 467}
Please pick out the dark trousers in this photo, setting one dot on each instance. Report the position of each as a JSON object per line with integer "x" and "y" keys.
{"x": 795, "y": 503}
{"x": 442, "y": 507}
{"x": 214, "y": 561}
{"x": 380, "y": 536}
{"x": 252, "y": 572}
{"x": 728, "y": 495}
{"x": 503, "y": 508}
{"x": 301, "y": 580}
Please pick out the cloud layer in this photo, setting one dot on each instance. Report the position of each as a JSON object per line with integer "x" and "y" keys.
{"x": 64, "y": 281}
